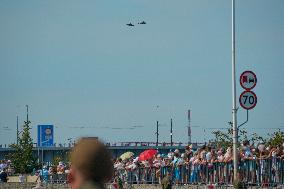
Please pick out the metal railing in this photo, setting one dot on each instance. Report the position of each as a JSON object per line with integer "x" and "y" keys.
{"x": 252, "y": 172}
{"x": 259, "y": 172}
{"x": 54, "y": 178}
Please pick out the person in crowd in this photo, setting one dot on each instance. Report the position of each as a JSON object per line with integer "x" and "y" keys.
{"x": 60, "y": 169}
{"x": 157, "y": 164}
{"x": 263, "y": 157}
{"x": 91, "y": 165}
{"x": 133, "y": 167}
{"x": 184, "y": 167}
{"x": 228, "y": 160}
{"x": 176, "y": 164}
{"x": 119, "y": 166}
{"x": 21, "y": 178}
{"x": 51, "y": 173}
{"x": 44, "y": 174}
{"x": 39, "y": 185}
{"x": 147, "y": 171}
{"x": 209, "y": 159}
{"x": 67, "y": 173}
{"x": 3, "y": 165}
{"x": 274, "y": 155}
{"x": 3, "y": 175}
{"x": 167, "y": 181}
{"x": 10, "y": 169}
{"x": 117, "y": 182}
{"x": 220, "y": 163}
{"x": 202, "y": 164}
{"x": 188, "y": 151}
{"x": 194, "y": 161}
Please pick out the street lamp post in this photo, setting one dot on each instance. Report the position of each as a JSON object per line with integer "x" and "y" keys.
{"x": 234, "y": 105}
{"x": 42, "y": 150}
{"x": 42, "y": 162}
{"x": 41, "y": 145}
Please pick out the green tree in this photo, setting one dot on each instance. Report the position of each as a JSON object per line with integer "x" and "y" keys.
{"x": 276, "y": 139}
{"x": 255, "y": 138}
{"x": 56, "y": 160}
{"x": 225, "y": 138}
{"x": 22, "y": 155}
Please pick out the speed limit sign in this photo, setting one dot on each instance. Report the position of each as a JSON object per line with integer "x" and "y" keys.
{"x": 248, "y": 100}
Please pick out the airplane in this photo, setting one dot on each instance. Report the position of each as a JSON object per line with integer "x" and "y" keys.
{"x": 143, "y": 22}
{"x": 130, "y": 24}
{"x": 78, "y": 127}
{"x": 116, "y": 128}
{"x": 120, "y": 128}
{"x": 6, "y": 128}
{"x": 137, "y": 126}
{"x": 104, "y": 127}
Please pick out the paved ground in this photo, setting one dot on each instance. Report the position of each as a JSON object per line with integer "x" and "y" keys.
{"x": 142, "y": 186}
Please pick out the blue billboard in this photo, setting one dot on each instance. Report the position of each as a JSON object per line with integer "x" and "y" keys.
{"x": 45, "y": 135}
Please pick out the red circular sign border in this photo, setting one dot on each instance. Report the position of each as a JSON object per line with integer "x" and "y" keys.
{"x": 253, "y": 95}
{"x": 248, "y": 89}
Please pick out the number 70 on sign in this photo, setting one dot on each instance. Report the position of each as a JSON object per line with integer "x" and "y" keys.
{"x": 248, "y": 100}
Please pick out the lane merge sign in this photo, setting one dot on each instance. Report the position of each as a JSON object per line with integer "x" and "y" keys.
{"x": 248, "y": 100}
{"x": 248, "y": 80}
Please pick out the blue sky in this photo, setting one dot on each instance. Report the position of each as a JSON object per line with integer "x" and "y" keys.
{"x": 77, "y": 64}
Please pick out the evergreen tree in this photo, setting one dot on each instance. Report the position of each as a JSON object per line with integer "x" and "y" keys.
{"x": 22, "y": 155}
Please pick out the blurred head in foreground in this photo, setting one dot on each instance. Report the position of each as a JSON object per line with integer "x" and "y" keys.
{"x": 92, "y": 164}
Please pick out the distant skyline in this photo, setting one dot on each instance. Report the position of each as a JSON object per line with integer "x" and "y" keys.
{"x": 81, "y": 68}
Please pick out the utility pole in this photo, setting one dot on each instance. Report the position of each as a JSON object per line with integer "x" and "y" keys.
{"x": 17, "y": 130}
{"x": 189, "y": 127}
{"x": 27, "y": 113}
{"x": 234, "y": 106}
{"x": 157, "y": 130}
{"x": 171, "y": 132}
{"x": 157, "y": 134}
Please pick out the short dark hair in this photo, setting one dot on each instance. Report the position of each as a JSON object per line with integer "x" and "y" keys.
{"x": 93, "y": 160}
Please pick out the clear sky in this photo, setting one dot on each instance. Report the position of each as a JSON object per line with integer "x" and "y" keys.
{"x": 78, "y": 66}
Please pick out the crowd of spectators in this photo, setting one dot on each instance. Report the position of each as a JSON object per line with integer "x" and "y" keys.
{"x": 207, "y": 164}
{"x": 54, "y": 174}
{"x": 257, "y": 164}
{"x": 6, "y": 170}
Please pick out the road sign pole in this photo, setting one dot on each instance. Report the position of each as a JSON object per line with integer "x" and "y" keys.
{"x": 245, "y": 121}
{"x": 234, "y": 108}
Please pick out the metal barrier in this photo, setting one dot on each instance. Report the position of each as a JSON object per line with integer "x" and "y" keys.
{"x": 54, "y": 178}
{"x": 260, "y": 172}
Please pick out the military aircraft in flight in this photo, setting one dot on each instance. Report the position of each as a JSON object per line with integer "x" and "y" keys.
{"x": 130, "y": 24}
{"x": 143, "y": 22}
